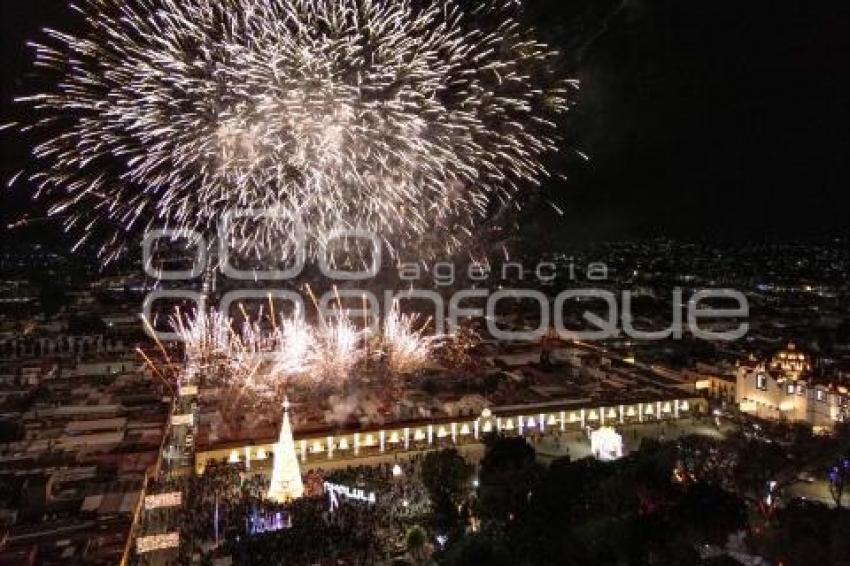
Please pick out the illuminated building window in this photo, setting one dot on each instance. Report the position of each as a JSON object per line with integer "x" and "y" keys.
{"x": 820, "y": 395}
{"x": 761, "y": 382}
{"x": 790, "y": 389}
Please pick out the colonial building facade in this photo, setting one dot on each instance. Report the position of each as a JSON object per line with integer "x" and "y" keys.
{"x": 784, "y": 388}
{"x": 314, "y": 448}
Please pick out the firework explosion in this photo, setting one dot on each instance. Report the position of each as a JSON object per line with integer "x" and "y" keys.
{"x": 411, "y": 119}
{"x": 295, "y": 350}
{"x": 407, "y": 349}
{"x": 207, "y": 337}
{"x": 263, "y": 361}
{"x": 340, "y": 347}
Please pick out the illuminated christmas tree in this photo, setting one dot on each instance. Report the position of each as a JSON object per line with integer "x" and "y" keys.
{"x": 286, "y": 483}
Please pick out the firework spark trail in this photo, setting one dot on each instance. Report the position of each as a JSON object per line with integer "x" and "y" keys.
{"x": 340, "y": 347}
{"x": 261, "y": 361}
{"x": 207, "y": 335}
{"x": 408, "y": 349}
{"x": 405, "y": 118}
{"x": 296, "y": 353}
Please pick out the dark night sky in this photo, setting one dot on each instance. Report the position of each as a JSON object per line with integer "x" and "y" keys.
{"x": 715, "y": 119}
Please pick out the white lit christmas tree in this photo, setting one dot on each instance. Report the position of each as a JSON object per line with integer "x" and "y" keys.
{"x": 286, "y": 483}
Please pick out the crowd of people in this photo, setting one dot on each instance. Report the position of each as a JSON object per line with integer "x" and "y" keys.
{"x": 223, "y": 506}
{"x": 401, "y": 499}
